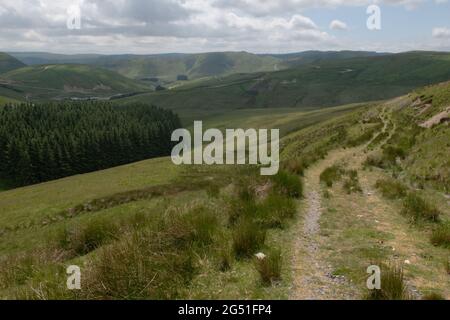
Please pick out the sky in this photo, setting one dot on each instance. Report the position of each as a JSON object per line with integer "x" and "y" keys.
{"x": 188, "y": 26}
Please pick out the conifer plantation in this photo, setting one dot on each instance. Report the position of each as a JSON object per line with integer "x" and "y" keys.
{"x": 41, "y": 142}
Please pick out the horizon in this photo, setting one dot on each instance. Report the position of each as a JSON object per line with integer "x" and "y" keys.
{"x": 210, "y": 52}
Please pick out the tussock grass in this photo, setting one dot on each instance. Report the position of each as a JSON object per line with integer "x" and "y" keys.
{"x": 288, "y": 184}
{"x": 447, "y": 265}
{"x": 391, "y": 153}
{"x": 17, "y": 269}
{"x": 295, "y": 165}
{"x": 248, "y": 237}
{"x": 82, "y": 239}
{"x": 391, "y": 189}
{"x": 331, "y": 175}
{"x": 144, "y": 265}
{"x": 155, "y": 262}
{"x": 441, "y": 235}
{"x": 393, "y": 285}
{"x": 375, "y": 160}
{"x": 365, "y": 136}
{"x": 434, "y": 296}
{"x": 275, "y": 211}
{"x": 269, "y": 268}
{"x": 351, "y": 184}
{"x": 417, "y": 209}
{"x": 226, "y": 257}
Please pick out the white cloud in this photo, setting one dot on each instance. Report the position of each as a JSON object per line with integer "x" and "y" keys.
{"x": 338, "y": 25}
{"x": 147, "y": 26}
{"x": 441, "y": 33}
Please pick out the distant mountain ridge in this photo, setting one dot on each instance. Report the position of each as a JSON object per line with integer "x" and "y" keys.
{"x": 8, "y": 63}
{"x": 169, "y": 66}
{"x": 320, "y": 84}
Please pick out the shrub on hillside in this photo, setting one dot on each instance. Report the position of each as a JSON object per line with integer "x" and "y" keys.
{"x": 391, "y": 153}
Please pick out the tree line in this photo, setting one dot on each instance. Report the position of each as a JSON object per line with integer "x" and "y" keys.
{"x": 41, "y": 142}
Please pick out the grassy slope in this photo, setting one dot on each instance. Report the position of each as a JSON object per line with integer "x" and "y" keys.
{"x": 49, "y": 198}
{"x": 4, "y": 100}
{"x": 165, "y": 66}
{"x": 29, "y": 223}
{"x": 69, "y": 80}
{"x": 8, "y": 63}
{"x": 429, "y": 160}
{"x": 322, "y": 84}
{"x": 29, "y": 211}
{"x": 359, "y": 229}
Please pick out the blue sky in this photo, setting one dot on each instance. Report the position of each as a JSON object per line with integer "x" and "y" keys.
{"x": 403, "y": 28}
{"x": 260, "y": 26}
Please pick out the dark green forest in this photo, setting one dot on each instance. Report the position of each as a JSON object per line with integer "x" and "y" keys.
{"x": 41, "y": 142}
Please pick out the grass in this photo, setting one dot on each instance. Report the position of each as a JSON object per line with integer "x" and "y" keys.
{"x": 70, "y": 80}
{"x": 331, "y": 175}
{"x": 393, "y": 285}
{"x": 269, "y": 267}
{"x": 305, "y": 87}
{"x": 44, "y": 201}
{"x": 82, "y": 239}
{"x": 248, "y": 237}
{"x": 434, "y": 296}
{"x": 391, "y": 189}
{"x": 202, "y": 237}
{"x": 288, "y": 184}
{"x": 441, "y": 235}
{"x": 351, "y": 183}
{"x": 417, "y": 209}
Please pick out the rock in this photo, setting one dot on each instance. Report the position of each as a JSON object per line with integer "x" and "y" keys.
{"x": 260, "y": 256}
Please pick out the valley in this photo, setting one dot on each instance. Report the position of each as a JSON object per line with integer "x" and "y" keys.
{"x": 364, "y": 178}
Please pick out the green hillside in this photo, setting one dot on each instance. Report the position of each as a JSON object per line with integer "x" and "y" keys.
{"x": 356, "y": 170}
{"x": 321, "y": 84}
{"x": 8, "y": 63}
{"x": 168, "y": 67}
{"x": 4, "y": 100}
{"x": 59, "y": 81}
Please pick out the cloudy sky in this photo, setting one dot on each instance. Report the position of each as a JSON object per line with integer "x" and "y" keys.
{"x": 260, "y": 26}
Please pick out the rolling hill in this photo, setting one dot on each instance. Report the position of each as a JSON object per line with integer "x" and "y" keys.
{"x": 67, "y": 81}
{"x": 8, "y": 63}
{"x": 167, "y": 67}
{"x": 322, "y": 84}
{"x": 181, "y": 227}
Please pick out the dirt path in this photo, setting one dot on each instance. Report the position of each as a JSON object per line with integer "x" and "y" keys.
{"x": 313, "y": 275}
